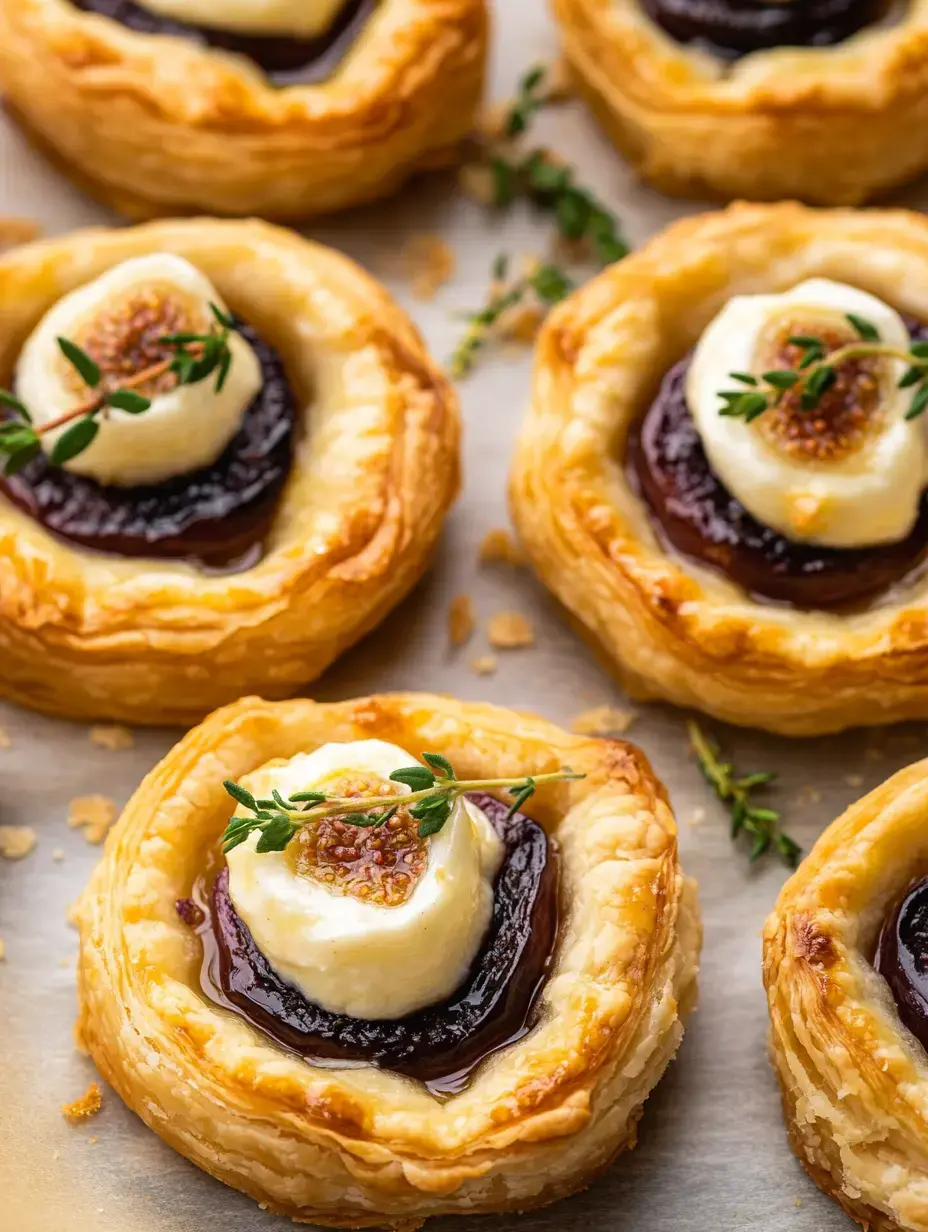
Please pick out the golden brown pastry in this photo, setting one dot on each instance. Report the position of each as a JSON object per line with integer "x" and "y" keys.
{"x": 843, "y": 1039}
{"x": 364, "y": 1146}
{"x": 753, "y": 117}
{"x": 789, "y": 593}
{"x": 104, "y": 612}
{"x": 159, "y": 108}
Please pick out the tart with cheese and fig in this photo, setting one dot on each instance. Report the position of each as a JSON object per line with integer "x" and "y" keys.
{"x": 723, "y": 471}
{"x": 279, "y": 108}
{"x": 762, "y": 99}
{"x": 385, "y": 959}
{"x": 212, "y": 444}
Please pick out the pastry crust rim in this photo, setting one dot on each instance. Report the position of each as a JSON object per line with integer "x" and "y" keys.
{"x": 540, "y": 1119}
{"x": 669, "y": 628}
{"x": 229, "y": 142}
{"x": 854, "y": 1082}
{"x": 86, "y": 635}
{"x": 755, "y": 110}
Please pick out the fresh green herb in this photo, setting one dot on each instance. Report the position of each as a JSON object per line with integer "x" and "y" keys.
{"x": 546, "y": 285}
{"x": 530, "y": 97}
{"x": 817, "y": 372}
{"x": 762, "y": 825}
{"x": 433, "y": 791}
{"x": 194, "y": 358}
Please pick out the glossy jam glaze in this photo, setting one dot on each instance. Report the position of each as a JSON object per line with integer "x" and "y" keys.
{"x": 902, "y": 958}
{"x": 699, "y": 517}
{"x": 286, "y": 61}
{"x": 439, "y": 1046}
{"x": 734, "y": 28}
{"x": 216, "y": 517}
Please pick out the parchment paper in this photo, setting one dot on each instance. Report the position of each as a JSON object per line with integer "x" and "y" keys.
{"x": 712, "y": 1152}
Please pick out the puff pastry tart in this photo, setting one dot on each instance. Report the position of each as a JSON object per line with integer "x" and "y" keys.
{"x": 845, "y": 961}
{"x": 214, "y": 436}
{"x": 761, "y": 99}
{"x": 722, "y": 474}
{"x": 280, "y": 108}
{"x": 459, "y": 1010}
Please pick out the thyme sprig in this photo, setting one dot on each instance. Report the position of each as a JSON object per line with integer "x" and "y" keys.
{"x": 547, "y": 284}
{"x": 762, "y": 825}
{"x": 817, "y": 372}
{"x": 541, "y": 177}
{"x": 434, "y": 788}
{"x": 194, "y": 358}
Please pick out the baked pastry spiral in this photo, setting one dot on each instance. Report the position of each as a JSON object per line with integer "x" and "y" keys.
{"x": 106, "y": 606}
{"x": 692, "y": 597}
{"x": 744, "y": 98}
{"x": 157, "y": 116}
{"x": 361, "y": 1145}
{"x": 853, "y": 1076}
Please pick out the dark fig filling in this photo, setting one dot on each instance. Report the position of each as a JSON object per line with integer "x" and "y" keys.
{"x": 902, "y": 958}
{"x": 695, "y": 513}
{"x": 733, "y": 28}
{"x": 286, "y": 61}
{"x": 217, "y": 516}
{"x": 439, "y": 1046}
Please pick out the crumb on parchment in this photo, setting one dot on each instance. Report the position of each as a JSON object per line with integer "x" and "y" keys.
{"x": 2, "y": 950}
{"x": 510, "y": 631}
{"x": 93, "y": 815}
{"x": 500, "y": 548}
{"x": 603, "y": 721}
{"x": 16, "y": 841}
{"x": 112, "y": 736}
{"x": 462, "y": 620}
{"x": 6, "y": 741}
{"x": 87, "y": 1106}
{"x": 428, "y": 263}
{"x": 484, "y": 665}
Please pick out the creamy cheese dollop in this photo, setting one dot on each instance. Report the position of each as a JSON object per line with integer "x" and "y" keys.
{"x": 187, "y": 426}
{"x": 355, "y": 956}
{"x": 298, "y": 18}
{"x": 859, "y": 482}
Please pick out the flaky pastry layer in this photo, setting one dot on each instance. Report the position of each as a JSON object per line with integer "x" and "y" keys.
{"x": 376, "y": 467}
{"x": 821, "y": 124}
{"x": 854, "y": 1081}
{"x": 156, "y": 125}
{"x": 671, "y": 628}
{"x": 361, "y": 1147}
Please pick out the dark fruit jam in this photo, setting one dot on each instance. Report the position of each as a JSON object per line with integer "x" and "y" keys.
{"x": 439, "y": 1046}
{"x": 902, "y": 958}
{"x": 733, "y": 28}
{"x": 697, "y": 514}
{"x": 217, "y": 516}
{"x": 286, "y": 61}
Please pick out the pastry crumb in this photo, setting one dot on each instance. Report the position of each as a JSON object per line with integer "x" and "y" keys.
{"x": 697, "y": 817}
{"x": 15, "y": 231}
{"x": 428, "y": 263}
{"x": 16, "y": 841}
{"x": 854, "y": 780}
{"x": 6, "y": 741}
{"x": 510, "y": 631}
{"x": 797, "y": 1202}
{"x": 873, "y": 754}
{"x": 476, "y": 181}
{"x": 603, "y": 721}
{"x": 58, "y": 855}
{"x": 500, "y": 548}
{"x": 462, "y": 620}
{"x": 484, "y": 665}
{"x": 2, "y": 950}
{"x": 92, "y": 814}
{"x": 72, "y": 915}
{"x": 522, "y": 323}
{"x": 87, "y": 1106}
{"x": 809, "y": 795}
{"x": 114, "y": 737}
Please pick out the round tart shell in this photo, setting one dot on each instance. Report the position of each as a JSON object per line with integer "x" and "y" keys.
{"x": 854, "y": 1081}
{"x": 361, "y": 1147}
{"x": 817, "y": 123}
{"x": 87, "y": 635}
{"x": 157, "y": 125}
{"x": 670, "y": 628}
